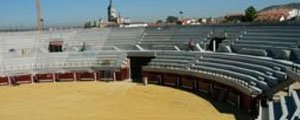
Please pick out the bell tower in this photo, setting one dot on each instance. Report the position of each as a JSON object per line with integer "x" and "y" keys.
{"x": 112, "y": 12}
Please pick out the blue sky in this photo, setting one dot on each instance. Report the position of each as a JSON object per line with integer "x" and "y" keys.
{"x": 68, "y": 12}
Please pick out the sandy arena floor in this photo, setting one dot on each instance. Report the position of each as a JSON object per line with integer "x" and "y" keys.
{"x": 103, "y": 101}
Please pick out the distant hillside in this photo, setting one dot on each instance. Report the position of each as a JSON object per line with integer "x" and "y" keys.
{"x": 286, "y": 6}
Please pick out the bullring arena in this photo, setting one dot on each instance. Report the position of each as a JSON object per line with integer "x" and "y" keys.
{"x": 172, "y": 72}
{"x": 104, "y": 101}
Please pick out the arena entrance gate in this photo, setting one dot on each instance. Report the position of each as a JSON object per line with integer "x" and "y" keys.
{"x": 137, "y": 61}
{"x": 214, "y": 43}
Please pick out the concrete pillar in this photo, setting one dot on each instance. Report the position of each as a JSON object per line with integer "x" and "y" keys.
{"x": 239, "y": 102}
{"x": 195, "y": 85}
{"x": 95, "y": 76}
{"x": 75, "y": 77}
{"x": 160, "y": 80}
{"x": 9, "y": 81}
{"x": 210, "y": 88}
{"x": 145, "y": 80}
{"x": 129, "y": 69}
{"x": 32, "y": 79}
{"x": 177, "y": 81}
{"x": 115, "y": 78}
{"x": 54, "y": 77}
{"x": 214, "y": 45}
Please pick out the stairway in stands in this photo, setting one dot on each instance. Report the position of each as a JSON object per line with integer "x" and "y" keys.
{"x": 286, "y": 108}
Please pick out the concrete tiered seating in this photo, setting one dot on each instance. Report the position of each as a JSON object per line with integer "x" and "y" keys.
{"x": 111, "y": 39}
{"x": 172, "y": 60}
{"x": 264, "y": 65}
{"x": 256, "y": 72}
{"x": 259, "y": 73}
{"x": 115, "y": 38}
{"x": 62, "y": 62}
{"x": 271, "y": 41}
{"x": 177, "y": 36}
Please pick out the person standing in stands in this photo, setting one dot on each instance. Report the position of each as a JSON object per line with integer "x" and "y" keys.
{"x": 191, "y": 45}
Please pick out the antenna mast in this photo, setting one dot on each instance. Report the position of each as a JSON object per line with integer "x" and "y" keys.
{"x": 39, "y": 16}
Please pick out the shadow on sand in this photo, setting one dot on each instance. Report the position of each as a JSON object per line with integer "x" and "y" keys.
{"x": 221, "y": 106}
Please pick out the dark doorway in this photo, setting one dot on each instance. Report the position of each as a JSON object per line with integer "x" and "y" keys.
{"x": 136, "y": 64}
{"x": 218, "y": 41}
{"x": 56, "y": 46}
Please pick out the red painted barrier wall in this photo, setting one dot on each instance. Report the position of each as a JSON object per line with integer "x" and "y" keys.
{"x": 187, "y": 83}
{"x": 169, "y": 80}
{"x": 65, "y": 76}
{"x": 85, "y": 76}
{"x": 23, "y": 79}
{"x": 247, "y": 103}
{"x": 4, "y": 81}
{"x": 153, "y": 78}
{"x": 44, "y": 77}
{"x": 203, "y": 86}
{"x": 123, "y": 74}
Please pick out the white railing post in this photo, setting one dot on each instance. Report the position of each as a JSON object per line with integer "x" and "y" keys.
{"x": 74, "y": 77}
{"x": 140, "y": 48}
{"x": 32, "y": 78}
{"x": 54, "y": 77}
{"x": 95, "y": 76}
{"x": 115, "y": 77}
{"x": 214, "y": 45}
{"x": 9, "y": 80}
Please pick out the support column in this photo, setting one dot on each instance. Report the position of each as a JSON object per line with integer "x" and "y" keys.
{"x": 195, "y": 85}
{"x": 160, "y": 80}
{"x": 32, "y": 79}
{"x": 145, "y": 80}
{"x": 214, "y": 45}
{"x": 210, "y": 88}
{"x": 9, "y": 80}
{"x": 54, "y": 77}
{"x": 115, "y": 79}
{"x": 129, "y": 69}
{"x": 239, "y": 102}
{"x": 75, "y": 77}
{"x": 95, "y": 76}
{"x": 177, "y": 81}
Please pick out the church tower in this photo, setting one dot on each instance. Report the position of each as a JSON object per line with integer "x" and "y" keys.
{"x": 112, "y": 13}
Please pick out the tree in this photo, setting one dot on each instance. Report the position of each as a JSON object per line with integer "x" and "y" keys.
{"x": 172, "y": 19}
{"x": 88, "y": 25}
{"x": 250, "y": 14}
{"x": 200, "y": 20}
{"x": 95, "y": 24}
{"x": 159, "y": 22}
{"x": 234, "y": 18}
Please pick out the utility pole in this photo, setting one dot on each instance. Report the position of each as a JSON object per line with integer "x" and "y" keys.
{"x": 39, "y": 16}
